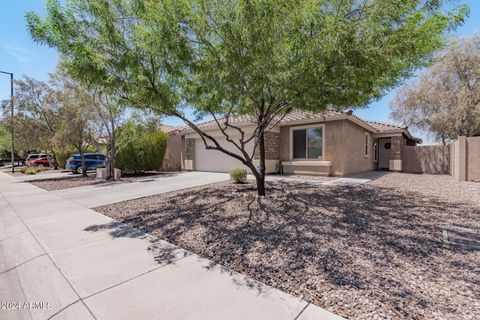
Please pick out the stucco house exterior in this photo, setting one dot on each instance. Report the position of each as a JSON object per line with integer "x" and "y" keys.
{"x": 172, "y": 160}
{"x": 329, "y": 143}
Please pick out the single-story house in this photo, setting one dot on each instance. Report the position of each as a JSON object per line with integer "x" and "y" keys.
{"x": 172, "y": 160}
{"x": 330, "y": 143}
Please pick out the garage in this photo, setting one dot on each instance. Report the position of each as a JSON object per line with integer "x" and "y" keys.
{"x": 216, "y": 161}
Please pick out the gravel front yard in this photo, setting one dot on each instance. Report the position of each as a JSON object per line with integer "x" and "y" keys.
{"x": 79, "y": 181}
{"x": 370, "y": 252}
{"x": 65, "y": 183}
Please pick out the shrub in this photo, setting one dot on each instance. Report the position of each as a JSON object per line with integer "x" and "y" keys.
{"x": 30, "y": 170}
{"x": 238, "y": 175}
{"x": 144, "y": 152}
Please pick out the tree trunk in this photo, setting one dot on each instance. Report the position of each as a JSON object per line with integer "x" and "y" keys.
{"x": 261, "y": 168}
{"x": 260, "y": 184}
{"x": 112, "y": 150}
{"x": 55, "y": 160}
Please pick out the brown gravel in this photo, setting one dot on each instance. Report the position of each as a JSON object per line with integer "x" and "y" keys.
{"x": 370, "y": 252}
{"x": 441, "y": 186}
{"x": 78, "y": 181}
{"x": 65, "y": 183}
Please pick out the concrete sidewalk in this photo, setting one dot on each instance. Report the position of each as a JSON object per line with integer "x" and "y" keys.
{"x": 96, "y": 195}
{"x": 60, "y": 260}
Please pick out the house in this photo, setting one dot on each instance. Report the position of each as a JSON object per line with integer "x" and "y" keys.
{"x": 172, "y": 159}
{"x": 330, "y": 143}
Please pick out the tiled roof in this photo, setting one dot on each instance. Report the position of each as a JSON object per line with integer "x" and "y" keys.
{"x": 169, "y": 129}
{"x": 298, "y": 115}
{"x": 290, "y": 117}
{"x": 383, "y": 126}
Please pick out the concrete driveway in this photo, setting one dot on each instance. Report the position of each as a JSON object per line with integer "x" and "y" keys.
{"x": 60, "y": 260}
{"x": 97, "y": 195}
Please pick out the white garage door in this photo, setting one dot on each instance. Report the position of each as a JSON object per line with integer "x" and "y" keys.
{"x": 216, "y": 161}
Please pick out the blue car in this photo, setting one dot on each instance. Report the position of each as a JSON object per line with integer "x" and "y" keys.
{"x": 92, "y": 161}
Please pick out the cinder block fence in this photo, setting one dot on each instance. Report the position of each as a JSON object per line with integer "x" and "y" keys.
{"x": 460, "y": 159}
{"x": 465, "y": 159}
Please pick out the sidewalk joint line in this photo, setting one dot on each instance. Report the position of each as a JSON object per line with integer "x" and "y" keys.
{"x": 308, "y": 303}
{"x": 49, "y": 257}
{"x": 135, "y": 277}
{"x": 13, "y": 235}
{"x": 24, "y": 262}
{"x": 64, "y": 308}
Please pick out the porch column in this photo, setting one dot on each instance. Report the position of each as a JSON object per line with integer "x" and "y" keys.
{"x": 396, "y": 153}
{"x": 272, "y": 151}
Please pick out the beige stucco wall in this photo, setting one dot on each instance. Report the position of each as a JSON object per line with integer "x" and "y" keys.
{"x": 473, "y": 164}
{"x": 354, "y": 146}
{"x": 308, "y": 170}
{"x": 172, "y": 159}
{"x": 334, "y": 149}
{"x": 426, "y": 159}
{"x": 344, "y": 147}
{"x": 465, "y": 159}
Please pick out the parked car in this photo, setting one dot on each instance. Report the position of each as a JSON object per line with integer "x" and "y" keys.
{"x": 92, "y": 161}
{"x": 39, "y": 160}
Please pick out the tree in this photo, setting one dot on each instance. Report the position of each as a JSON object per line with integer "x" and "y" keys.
{"x": 75, "y": 117}
{"x": 111, "y": 114}
{"x": 445, "y": 99}
{"x": 256, "y": 58}
{"x": 36, "y": 104}
{"x": 105, "y": 109}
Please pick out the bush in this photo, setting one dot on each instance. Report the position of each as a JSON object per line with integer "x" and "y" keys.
{"x": 144, "y": 152}
{"x": 238, "y": 175}
{"x": 62, "y": 154}
{"x": 30, "y": 170}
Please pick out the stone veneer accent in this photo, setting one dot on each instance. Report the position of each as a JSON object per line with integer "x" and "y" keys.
{"x": 396, "y": 148}
{"x": 272, "y": 147}
{"x": 189, "y": 149}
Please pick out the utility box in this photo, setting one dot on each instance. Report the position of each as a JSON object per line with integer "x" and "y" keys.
{"x": 102, "y": 173}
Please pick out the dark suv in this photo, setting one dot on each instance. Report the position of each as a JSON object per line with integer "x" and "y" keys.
{"x": 92, "y": 161}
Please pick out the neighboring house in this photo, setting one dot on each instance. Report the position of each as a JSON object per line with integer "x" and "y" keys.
{"x": 172, "y": 160}
{"x": 323, "y": 143}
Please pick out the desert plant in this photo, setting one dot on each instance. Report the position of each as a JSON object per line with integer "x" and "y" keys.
{"x": 30, "y": 170}
{"x": 144, "y": 152}
{"x": 238, "y": 175}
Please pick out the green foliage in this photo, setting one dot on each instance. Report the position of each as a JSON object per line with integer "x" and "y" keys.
{"x": 30, "y": 170}
{"x": 144, "y": 151}
{"x": 307, "y": 54}
{"x": 5, "y": 138}
{"x": 261, "y": 58}
{"x": 62, "y": 154}
{"x": 238, "y": 175}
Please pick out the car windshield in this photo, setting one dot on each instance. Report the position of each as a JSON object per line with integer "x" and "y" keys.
{"x": 33, "y": 156}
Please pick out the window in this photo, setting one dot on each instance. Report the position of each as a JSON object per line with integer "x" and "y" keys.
{"x": 367, "y": 138}
{"x": 375, "y": 150}
{"x": 308, "y": 143}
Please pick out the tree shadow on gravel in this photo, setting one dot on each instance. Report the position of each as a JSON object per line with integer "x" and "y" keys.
{"x": 358, "y": 251}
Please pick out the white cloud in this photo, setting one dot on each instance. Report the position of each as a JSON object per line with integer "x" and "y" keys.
{"x": 21, "y": 54}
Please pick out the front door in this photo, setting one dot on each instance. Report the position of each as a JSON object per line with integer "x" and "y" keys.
{"x": 384, "y": 146}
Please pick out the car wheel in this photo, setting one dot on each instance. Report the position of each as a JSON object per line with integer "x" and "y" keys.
{"x": 79, "y": 170}
{"x": 40, "y": 165}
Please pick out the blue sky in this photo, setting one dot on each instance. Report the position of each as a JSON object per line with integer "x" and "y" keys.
{"x": 20, "y": 55}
